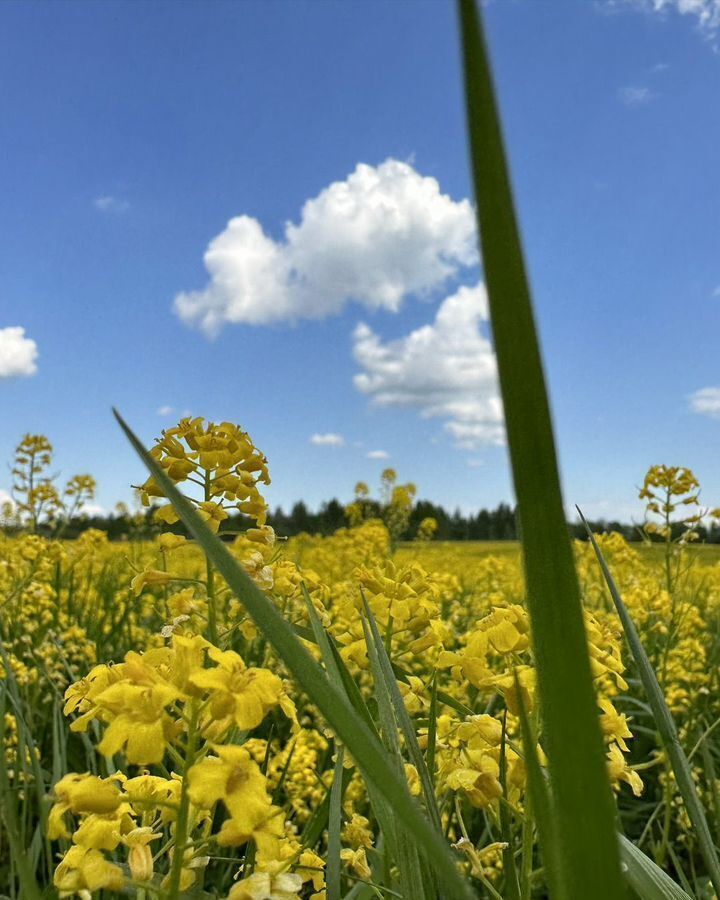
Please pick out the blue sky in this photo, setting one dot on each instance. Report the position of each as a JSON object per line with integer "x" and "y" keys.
{"x": 133, "y": 133}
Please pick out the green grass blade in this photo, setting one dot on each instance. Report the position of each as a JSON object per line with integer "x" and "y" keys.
{"x": 333, "y": 863}
{"x": 647, "y": 880}
{"x": 540, "y": 797}
{"x": 335, "y": 665}
{"x": 588, "y": 856}
{"x": 512, "y": 887}
{"x": 664, "y": 722}
{"x": 682, "y": 877}
{"x": 317, "y": 822}
{"x": 432, "y": 730}
{"x": 406, "y": 857}
{"x": 10, "y": 820}
{"x": 378, "y": 770}
{"x": 403, "y": 719}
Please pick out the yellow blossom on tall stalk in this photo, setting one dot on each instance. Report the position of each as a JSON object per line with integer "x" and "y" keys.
{"x": 36, "y": 499}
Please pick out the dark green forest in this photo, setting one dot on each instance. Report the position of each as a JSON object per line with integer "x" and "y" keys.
{"x": 497, "y": 524}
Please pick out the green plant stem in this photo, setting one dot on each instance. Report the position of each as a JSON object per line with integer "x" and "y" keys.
{"x": 211, "y": 599}
{"x": 181, "y": 824}
{"x": 210, "y": 582}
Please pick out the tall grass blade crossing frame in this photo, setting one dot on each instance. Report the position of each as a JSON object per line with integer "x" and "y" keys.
{"x": 587, "y": 852}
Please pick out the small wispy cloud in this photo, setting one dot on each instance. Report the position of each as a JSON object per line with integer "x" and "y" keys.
{"x": 330, "y": 439}
{"x": 475, "y": 463}
{"x": 165, "y": 410}
{"x": 716, "y": 292}
{"x": 705, "y": 13}
{"x": 636, "y": 95}
{"x": 93, "y": 509}
{"x": 110, "y": 204}
{"x": 378, "y": 454}
{"x": 706, "y": 402}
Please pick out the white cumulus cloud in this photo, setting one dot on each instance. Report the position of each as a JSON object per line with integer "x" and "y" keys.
{"x": 18, "y": 354}
{"x": 383, "y": 233}
{"x": 165, "y": 410}
{"x": 378, "y": 454}
{"x": 706, "y": 402}
{"x": 446, "y": 369}
{"x": 328, "y": 440}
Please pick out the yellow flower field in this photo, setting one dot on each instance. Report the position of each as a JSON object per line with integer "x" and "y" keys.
{"x": 156, "y": 746}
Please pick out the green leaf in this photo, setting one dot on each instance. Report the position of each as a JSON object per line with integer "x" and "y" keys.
{"x": 586, "y": 843}
{"x": 664, "y": 722}
{"x": 378, "y": 770}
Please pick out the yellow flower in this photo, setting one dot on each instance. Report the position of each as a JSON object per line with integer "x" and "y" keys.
{"x": 212, "y": 514}
{"x": 263, "y": 886}
{"x": 311, "y": 867}
{"x": 235, "y": 778}
{"x": 99, "y": 832}
{"x": 170, "y": 541}
{"x": 619, "y": 770}
{"x": 140, "y": 725}
{"x": 84, "y": 870}
{"x": 88, "y": 794}
{"x": 356, "y": 832}
{"x": 81, "y": 795}
{"x": 140, "y": 859}
{"x": 614, "y": 726}
{"x": 167, "y": 515}
{"x": 149, "y": 576}
{"x": 357, "y": 860}
{"x": 237, "y": 692}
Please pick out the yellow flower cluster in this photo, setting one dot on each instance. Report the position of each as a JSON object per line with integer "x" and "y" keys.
{"x": 221, "y": 460}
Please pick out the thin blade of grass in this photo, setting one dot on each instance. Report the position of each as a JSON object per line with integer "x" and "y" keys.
{"x": 403, "y": 719}
{"x": 333, "y": 864}
{"x": 512, "y": 886}
{"x": 663, "y": 721}
{"x": 647, "y": 880}
{"x": 432, "y": 730}
{"x": 9, "y": 818}
{"x": 540, "y": 796}
{"x": 335, "y": 665}
{"x": 377, "y": 768}
{"x": 339, "y": 674}
{"x": 317, "y": 822}
{"x": 587, "y": 847}
{"x": 407, "y": 859}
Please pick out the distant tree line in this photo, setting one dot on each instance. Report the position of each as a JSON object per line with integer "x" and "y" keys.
{"x": 497, "y": 524}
